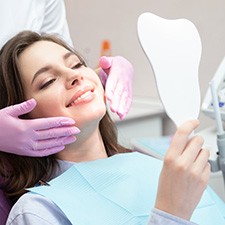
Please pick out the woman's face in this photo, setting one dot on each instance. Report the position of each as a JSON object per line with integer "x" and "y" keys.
{"x": 60, "y": 84}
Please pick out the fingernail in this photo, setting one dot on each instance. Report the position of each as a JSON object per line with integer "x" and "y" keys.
{"x": 75, "y": 130}
{"x": 69, "y": 140}
{"x": 67, "y": 122}
{"x": 122, "y": 116}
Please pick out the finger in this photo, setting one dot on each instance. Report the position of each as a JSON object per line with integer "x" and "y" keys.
{"x": 127, "y": 108}
{"x": 47, "y": 152}
{"x": 202, "y": 176}
{"x": 103, "y": 77}
{"x": 125, "y": 102}
{"x": 50, "y": 122}
{"x": 110, "y": 87}
{"x": 206, "y": 173}
{"x": 54, "y": 142}
{"x": 22, "y": 108}
{"x": 115, "y": 101}
{"x": 113, "y": 83}
{"x": 124, "y": 105}
{"x": 201, "y": 160}
{"x": 181, "y": 137}
{"x": 56, "y": 133}
{"x": 105, "y": 62}
{"x": 193, "y": 148}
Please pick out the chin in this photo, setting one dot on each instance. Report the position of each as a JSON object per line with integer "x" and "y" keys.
{"x": 98, "y": 114}
{"x": 89, "y": 118}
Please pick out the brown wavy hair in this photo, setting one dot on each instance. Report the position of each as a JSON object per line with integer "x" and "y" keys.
{"x": 21, "y": 172}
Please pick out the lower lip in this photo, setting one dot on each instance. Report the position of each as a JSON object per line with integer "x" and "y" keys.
{"x": 87, "y": 99}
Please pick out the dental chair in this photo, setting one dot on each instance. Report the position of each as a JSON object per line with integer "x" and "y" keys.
{"x": 5, "y": 207}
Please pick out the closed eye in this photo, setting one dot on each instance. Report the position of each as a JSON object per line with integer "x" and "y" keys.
{"x": 78, "y": 65}
{"x": 46, "y": 84}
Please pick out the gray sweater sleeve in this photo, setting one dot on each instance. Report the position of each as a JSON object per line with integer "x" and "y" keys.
{"x": 158, "y": 217}
{"x": 33, "y": 209}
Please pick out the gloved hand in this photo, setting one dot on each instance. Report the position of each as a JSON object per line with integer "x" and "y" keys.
{"x": 35, "y": 137}
{"x": 118, "y": 89}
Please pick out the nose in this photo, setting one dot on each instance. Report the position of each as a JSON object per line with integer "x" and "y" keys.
{"x": 73, "y": 79}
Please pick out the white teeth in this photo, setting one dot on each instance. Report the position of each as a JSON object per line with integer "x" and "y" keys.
{"x": 83, "y": 95}
{"x": 80, "y": 97}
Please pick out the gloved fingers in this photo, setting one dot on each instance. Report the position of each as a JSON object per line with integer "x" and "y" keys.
{"x": 22, "y": 108}
{"x": 125, "y": 102}
{"x": 47, "y": 152}
{"x": 124, "y": 106}
{"x": 103, "y": 77}
{"x": 121, "y": 105}
{"x": 56, "y": 133}
{"x": 109, "y": 90}
{"x": 118, "y": 88}
{"x": 50, "y": 122}
{"x": 115, "y": 101}
{"x": 105, "y": 62}
{"x": 51, "y": 146}
{"x": 112, "y": 83}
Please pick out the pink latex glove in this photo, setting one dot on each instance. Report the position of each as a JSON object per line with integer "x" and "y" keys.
{"x": 117, "y": 76}
{"x": 35, "y": 137}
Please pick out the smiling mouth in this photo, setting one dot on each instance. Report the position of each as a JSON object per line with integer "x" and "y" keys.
{"x": 81, "y": 98}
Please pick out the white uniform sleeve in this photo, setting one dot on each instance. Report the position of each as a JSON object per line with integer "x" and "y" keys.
{"x": 158, "y": 217}
{"x": 55, "y": 20}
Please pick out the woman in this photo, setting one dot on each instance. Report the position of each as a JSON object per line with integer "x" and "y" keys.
{"x": 46, "y": 136}
{"x": 49, "y": 16}
{"x": 46, "y": 69}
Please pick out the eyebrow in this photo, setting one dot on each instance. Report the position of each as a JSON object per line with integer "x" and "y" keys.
{"x": 67, "y": 55}
{"x": 40, "y": 71}
{"x": 47, "y": 68}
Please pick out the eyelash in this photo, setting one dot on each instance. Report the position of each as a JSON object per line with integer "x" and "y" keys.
{"x": 78, "y": 65}
{"x": 47, "y": 84}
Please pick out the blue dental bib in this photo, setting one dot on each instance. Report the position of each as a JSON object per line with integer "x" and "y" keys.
{"x": 119, "y": 190}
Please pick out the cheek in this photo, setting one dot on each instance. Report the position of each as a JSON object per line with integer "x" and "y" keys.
{"x": 46, "y": 107}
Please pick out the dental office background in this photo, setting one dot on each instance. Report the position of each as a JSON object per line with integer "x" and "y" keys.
{"x": 92, "y": 22}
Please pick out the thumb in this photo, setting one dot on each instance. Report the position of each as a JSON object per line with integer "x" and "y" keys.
{"x": 105, "y": 62}
{"x": 22, "y": 108}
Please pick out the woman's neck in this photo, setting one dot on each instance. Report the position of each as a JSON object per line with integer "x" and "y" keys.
{"x": 85, "y": 148}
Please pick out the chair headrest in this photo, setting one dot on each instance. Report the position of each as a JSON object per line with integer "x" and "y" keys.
{"x": 5, "y": 207}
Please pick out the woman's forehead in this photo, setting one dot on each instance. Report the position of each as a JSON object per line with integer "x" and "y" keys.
{"x": 47, "y": 46}
{"x": 45, "y": 51}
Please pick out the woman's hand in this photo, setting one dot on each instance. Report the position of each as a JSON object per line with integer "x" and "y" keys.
{"x": 36, "y": 137}
{"x": 185, "y": 173}
{"x": 117, "y": 77}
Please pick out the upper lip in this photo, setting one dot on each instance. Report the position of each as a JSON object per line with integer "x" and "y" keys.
{"x": 79, "y": 93}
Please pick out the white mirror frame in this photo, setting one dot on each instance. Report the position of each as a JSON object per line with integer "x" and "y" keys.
{"x": 173, "y": 48}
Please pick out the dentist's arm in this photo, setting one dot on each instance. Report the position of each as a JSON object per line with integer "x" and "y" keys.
{"x": 117, "y": 76}
{"x": 36, "y": 137}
